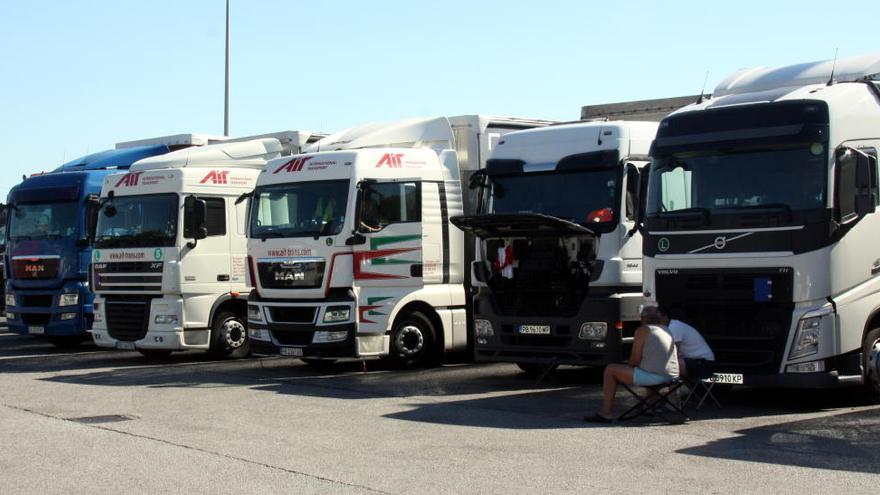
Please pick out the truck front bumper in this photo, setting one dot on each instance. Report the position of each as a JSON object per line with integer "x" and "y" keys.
{"x": 147, "y": 331}
{"x": 37, "y": 312}
{"x": 564, "y": 343}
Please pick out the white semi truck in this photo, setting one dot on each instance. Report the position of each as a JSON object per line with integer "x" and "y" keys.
{"x": 761, "y": 223}
{"x": 168, "y": 266}
{"x": 558, "y": 267}
{"x": 351, "y": 253}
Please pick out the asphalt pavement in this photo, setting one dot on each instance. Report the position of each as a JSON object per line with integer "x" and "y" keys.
{"x": 91, "y": 420}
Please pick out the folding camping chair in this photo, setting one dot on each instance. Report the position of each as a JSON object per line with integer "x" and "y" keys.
{"x": 658, "y": 405}
{"x": 699, "y": 385}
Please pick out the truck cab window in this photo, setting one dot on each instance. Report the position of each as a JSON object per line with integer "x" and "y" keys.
{"x": 216, "y": 219}
{"x": 386, "y": 203}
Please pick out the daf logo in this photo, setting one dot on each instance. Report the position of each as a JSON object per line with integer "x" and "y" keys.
{"x": 720, "y": 243}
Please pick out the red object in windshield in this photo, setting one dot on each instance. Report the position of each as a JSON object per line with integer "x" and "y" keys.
{"x": 601, "y": 216}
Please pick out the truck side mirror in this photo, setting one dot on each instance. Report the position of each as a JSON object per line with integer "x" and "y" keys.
{"x": 92, "y": 206}
{"x": 195, "y": 214}
{"x": 866, "y": 188}
{"x": 476, "y": 179}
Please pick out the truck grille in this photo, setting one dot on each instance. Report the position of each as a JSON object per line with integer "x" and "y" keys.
{"x": 41, "y": 301}
{"x": 292, "y": 314}
{"x": 744, "y": 314}
{"x": 292, "y": 337}
{"x": 36, "y": 318}
{"x": 291, "y": 274}
{"x": 36, "y": 268}
{"x": 140, "y": 276}
{"x": 128, "y": 318}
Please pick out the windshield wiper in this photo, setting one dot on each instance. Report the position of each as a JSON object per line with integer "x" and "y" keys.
{"x": 765, "y": 206}
{"x": 265, "y": 235}
{"x": 685, "y": 211}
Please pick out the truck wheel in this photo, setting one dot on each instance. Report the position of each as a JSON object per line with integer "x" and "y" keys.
{"x": 66, "y": 341}
{"x": 154, "y": 354}
{"x": 871, "y": 364}
{"x": 413, "y": 340}
{"x": 534, "y": 369}
{"x": 229, "y": 337}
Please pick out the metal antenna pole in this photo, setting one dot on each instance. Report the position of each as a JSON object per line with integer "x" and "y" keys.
{"x": 226, "y": 88}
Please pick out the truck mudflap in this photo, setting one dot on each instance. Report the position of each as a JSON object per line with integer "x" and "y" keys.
{"x": 541, "y": 339}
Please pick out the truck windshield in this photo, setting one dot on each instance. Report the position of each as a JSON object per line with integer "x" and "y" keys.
{"x": 138, "y": 221}
{"x": 582, "y": 196}
{"x": 748, "y": 180}
{"x": 43, "y": 220}
{"x": 299, "y": 209}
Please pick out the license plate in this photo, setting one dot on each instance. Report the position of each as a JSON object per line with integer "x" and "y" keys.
{"x": 36, "y": 330}
{"x": 125, "y": 346}
{"x": 533, "y": 330}
{"x": 727, "y": 378}
{"x": 292, "y": 351}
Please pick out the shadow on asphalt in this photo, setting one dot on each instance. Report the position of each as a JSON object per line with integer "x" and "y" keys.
{"x": 842, "y": 442}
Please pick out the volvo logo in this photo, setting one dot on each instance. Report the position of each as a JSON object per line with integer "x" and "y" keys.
{"x": 720, "y": 243}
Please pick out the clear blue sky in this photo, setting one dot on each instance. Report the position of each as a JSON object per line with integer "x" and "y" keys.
{"x": 76, "y": 77}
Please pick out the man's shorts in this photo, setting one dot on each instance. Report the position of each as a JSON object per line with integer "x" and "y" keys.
{"x": 642, "y": 378}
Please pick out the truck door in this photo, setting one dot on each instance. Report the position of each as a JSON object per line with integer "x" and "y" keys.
{"x": 388, "y": 244}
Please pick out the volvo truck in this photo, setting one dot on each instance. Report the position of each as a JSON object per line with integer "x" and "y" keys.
{"x": 351, "y": 253}
{"x": 558, "y": 266}
{"x": 168, "y": 267}
{"x": 761, "y": 223}
{"x": 48, "y": 248}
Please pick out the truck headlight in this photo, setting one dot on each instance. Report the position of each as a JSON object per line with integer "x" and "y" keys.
{"x": 254, "y": 313}
{"x": 10, "y": 299}
{"x": 325, "y": 337}
{"x": 259, "y": 334}
{"x": 165, "y": 319}
{"x": 483, "y": 328}
{"x": 335, "y": 314}
{"x": 10, "y": 316}
{"x": 68, "y": 299}
{"x": 806, "y": 340}
{"x": 593, "y": 330}
{"x": 67, "y": 316}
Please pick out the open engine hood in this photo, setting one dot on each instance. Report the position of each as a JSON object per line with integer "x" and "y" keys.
{"x": 518, "y": 225}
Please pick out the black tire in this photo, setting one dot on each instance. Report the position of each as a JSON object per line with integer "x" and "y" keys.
{"x": 319, "y": 364}
{"x": 154, "y": 354}
{"x": 871, "y": 364}
{"x": 66, "y": 341}
{"x": 534, "y": 369}
{"x": 229, "y": 338}
{"x": 413, "y": 341}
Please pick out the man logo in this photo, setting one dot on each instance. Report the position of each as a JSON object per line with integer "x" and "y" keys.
{"x": 216, "y": 177}
{"x": 393, "y": 160}
{"x": 130, "y": 179}
{"x": 294, "y": 165}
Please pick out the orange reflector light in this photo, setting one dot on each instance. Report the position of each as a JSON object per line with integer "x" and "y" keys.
{"x": 619, "y": 325}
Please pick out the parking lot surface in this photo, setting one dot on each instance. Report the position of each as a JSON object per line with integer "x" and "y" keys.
{"x": 99, "y": 421}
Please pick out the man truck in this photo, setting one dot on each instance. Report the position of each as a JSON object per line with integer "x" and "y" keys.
{"x": 351, "y": 253}
{"x": 558, "y": 267}
{"x": 48, "y": 249}
{"x": 761, "y": 223}
{"x": 168, "y": 267}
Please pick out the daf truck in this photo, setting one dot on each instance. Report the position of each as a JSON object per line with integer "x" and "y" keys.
{"x": 350, "y": 249}
{"x": 558, "y": 266}
{"x": 48, "y": 249}
{"x": 761, "y": 223}
{"x": 168, "y": 267}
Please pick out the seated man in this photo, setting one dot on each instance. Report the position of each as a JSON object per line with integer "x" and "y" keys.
{"x": 695, "y": 355}
{"x": 653, "y": 361}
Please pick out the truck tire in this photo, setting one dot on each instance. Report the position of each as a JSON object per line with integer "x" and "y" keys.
{"x": 413, "y": 341}
{"x": 871, "y": 364}
{"x": 66, "y": 341}
{"x": 229, "y": 337}
{"x": 154, "y": 354}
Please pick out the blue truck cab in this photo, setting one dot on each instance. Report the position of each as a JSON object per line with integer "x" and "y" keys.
{"x": 48, "y": 245}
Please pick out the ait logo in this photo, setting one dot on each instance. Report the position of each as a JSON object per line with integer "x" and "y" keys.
{"x": 294, "y": 165}
{"x": 393, "y": 160}
{"x": 216, "y": 177}
{"x": 129, "y": 180}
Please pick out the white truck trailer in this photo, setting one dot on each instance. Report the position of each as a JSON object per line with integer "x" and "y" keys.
{"x": 762, "y": 221}
{"x": 168, "y": 267}
{"x": 558, "y": 267}
{"x": 351, "y": 253}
